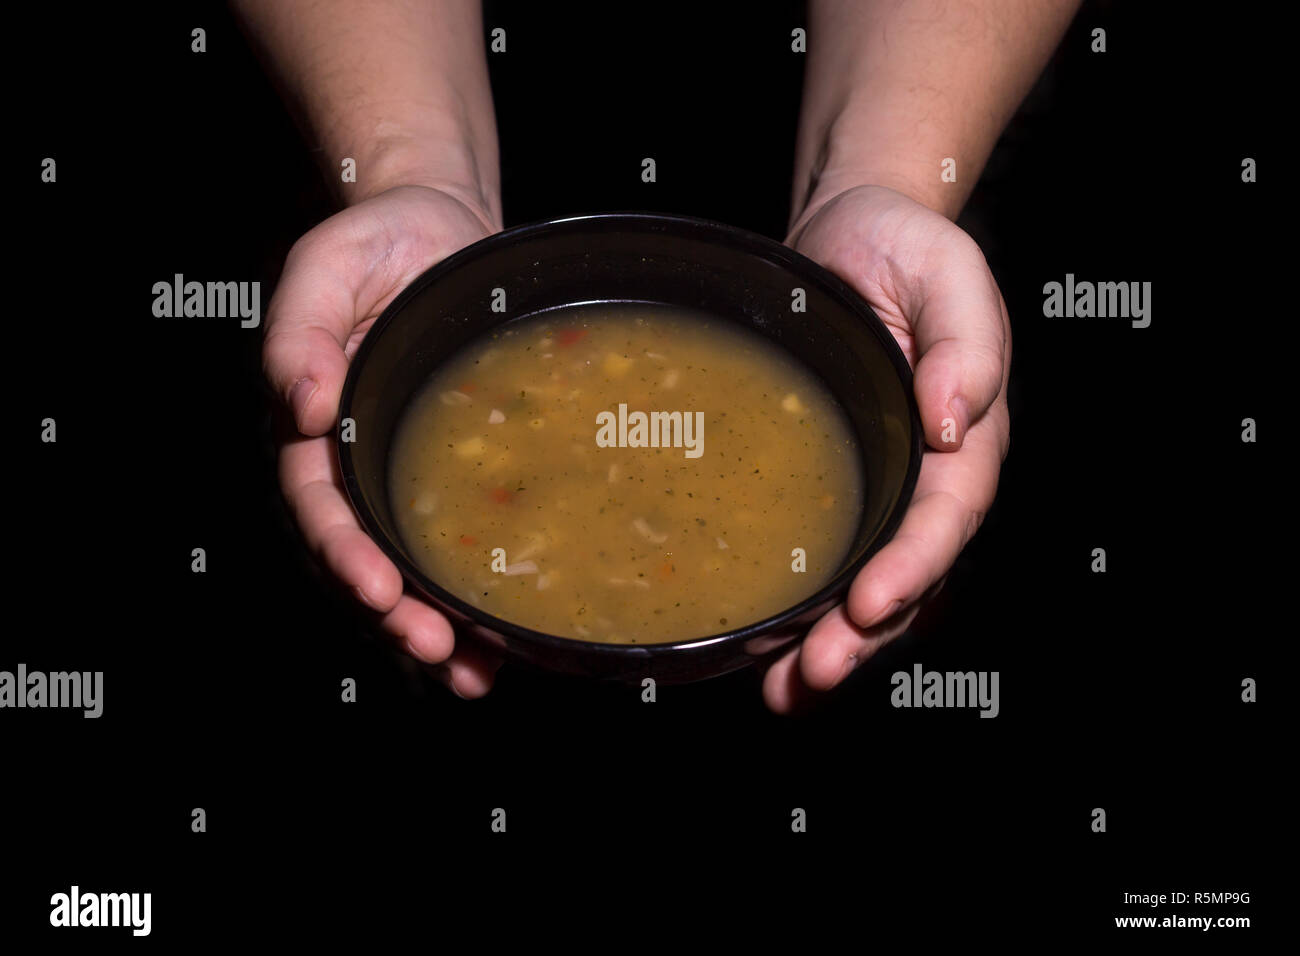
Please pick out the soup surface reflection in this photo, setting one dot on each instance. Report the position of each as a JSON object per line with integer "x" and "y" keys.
{"x": 626, "y": 473}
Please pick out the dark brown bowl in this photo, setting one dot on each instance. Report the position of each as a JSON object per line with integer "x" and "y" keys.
{"x": 633, "y": 257}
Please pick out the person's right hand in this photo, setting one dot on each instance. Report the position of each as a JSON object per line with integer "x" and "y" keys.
{"x": 336, "y": 281}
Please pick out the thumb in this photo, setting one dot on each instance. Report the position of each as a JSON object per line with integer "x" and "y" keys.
{"x": 961, "y": 335}
{"x": 309, "y": 321}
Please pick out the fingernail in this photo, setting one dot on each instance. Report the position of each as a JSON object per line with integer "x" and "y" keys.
{"x": 887, "y": 613}
{"x": 364, "y": 598}
{"x": 850, "y": 664}
{"x": 445, "y": 676}
{"x": 301, "y": 394}
{"x": 415, "y": 647}
{"x": 961, "y": 413}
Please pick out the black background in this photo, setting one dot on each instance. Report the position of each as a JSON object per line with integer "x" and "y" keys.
{"x": 1119, "y": 690}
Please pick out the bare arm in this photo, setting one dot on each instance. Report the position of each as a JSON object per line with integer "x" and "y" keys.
{"x": 896, "y": 86}
{"x": 401, "y": 86}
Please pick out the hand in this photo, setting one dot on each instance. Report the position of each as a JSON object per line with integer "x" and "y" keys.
{"x": 337, "y": 280}
{"x": 930, "y": 285}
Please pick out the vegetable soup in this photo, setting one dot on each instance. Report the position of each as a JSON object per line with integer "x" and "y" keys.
{"x": 628, "y": 473}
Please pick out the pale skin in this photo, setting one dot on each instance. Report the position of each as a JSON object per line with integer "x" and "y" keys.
{"x": 893, "y": 87}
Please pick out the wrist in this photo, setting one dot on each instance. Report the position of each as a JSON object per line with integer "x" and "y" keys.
{"x": 823, "y": 189}
{"x": 854, "y": 151}
{"x": 446, "y": 164}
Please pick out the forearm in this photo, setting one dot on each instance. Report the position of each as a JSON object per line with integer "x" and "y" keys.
{"x": 895, "y": 87}
{"x": 400, "y": 86}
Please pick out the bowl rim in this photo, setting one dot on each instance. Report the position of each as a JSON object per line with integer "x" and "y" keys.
{"x": 740, "y": 240}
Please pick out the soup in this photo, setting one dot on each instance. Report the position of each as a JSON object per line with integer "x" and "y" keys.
{"x": 627, "y": 473}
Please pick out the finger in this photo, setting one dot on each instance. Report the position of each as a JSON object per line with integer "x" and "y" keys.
{"x": 836, "y": 647}
{"x": 329, "y": 526}
{"x": 471, "y": 671}
{"x": 783, "y": 689}
{"x": 961, "y": 336}
{"x": 953, "y": 493}
{"x": 306, "y": 367}
{"x": 419, "y": 630}
{"x": 331, "y": 530}
{"x": 309, "y": 320}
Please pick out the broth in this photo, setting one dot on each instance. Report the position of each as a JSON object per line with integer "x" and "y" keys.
{"x": 618, "y": 525}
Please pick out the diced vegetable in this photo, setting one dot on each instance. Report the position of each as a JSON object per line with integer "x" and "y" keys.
{"x": 647, "y": 532}
{"x": 615, "y": 364}
{"x": 536, "y": 544}
{"x": 471, "y": 447}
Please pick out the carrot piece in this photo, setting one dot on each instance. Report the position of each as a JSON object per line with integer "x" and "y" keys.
{"x": 571, "y": 336}
{"x": 468, "y": 387}
{"x": 468, "y": 539}
{"x": 501, "y": 495}
{"x": 666, "y": 570}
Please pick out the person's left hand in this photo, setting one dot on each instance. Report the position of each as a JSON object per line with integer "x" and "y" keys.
{"x": 929, "y": 283}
